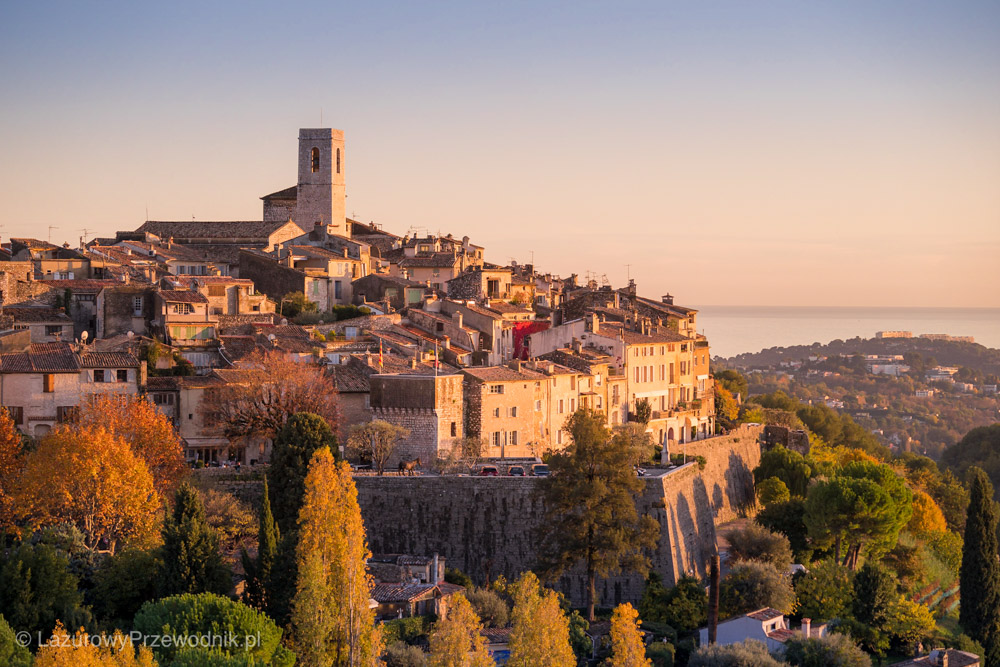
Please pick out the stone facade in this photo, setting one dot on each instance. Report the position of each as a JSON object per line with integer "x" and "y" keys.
{"x": 321, "y": 195}
{"x": 429, "y": 406}
{"x": 489, "y": 526}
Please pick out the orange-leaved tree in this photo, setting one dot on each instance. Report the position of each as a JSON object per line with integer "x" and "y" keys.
{"x": 84, "y": 650}
{"x": 540, "y": 636}
{"x": 332, "y": 621}
{"x": 91, "y": 478}
{"x": 11, "y": 461}
{"x": 457, "y": 640}
{"x": 627, "y": 647}
{"x": 268, "y": 389}
{"x": 146, "y": 430}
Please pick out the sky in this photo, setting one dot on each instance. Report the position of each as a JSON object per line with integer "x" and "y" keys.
{"x": 728, "y": 152}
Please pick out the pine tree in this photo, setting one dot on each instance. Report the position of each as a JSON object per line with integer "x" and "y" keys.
{"x": 330, "y": 614}
{"x": 259, "y": 571}
{"x": 979, "y": 578}
{"x": 591, "y": 518}
{"x": 627, "y": 647}
{"x": 540, "y": 634}
{"x": 191, "y": 558}
{"x": 456, "y": 640}
{"x": 294, "y": 445}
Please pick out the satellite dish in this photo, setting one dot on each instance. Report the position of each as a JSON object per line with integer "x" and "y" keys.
{"x": 284, "y": 321}
{"x": 130, "y": 334}
{"x": 271, "y": 337}
{"x": 84, "y": 336}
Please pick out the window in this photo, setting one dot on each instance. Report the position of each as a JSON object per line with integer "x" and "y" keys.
{"x": 598, "y": 403}
{"x": 48, "y": 383}
{"x": 559, "y": 437}
{"x": 572, "y": 405}
{"x": 560, "y": 406}
{"x": 65, "y": 413}
{"x": 636, "y": 373}
{"x": 182, "y": 309}
{"x": 336, "y": 289}
{"x": 496, "y": 438}
{"x": 496, "y": 412}
{"x": 572, "y": 382}
{"x": 663, "y": 350}
{"x": 338, "y": 161}
{"x": 163, "y": 399}
{"x": 454, "y": 430}
{"x": 99, "y": 375}
{"x": 538, "y": 406}
{"x": 137, "y": 306}
{"x": 53, "y": 330}
{"x": 16, "y": 413}
{"x": 496, "y": 388}
{"x": 598, "y": 380}
{"x": 122, "y": 375}
{"x": 513, "y": 411}
{"x": 513, "y": 437}
{"x": 217, "y": 290}
{"x": 314, "y": 159}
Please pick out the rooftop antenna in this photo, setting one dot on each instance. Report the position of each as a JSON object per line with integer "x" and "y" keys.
{"x": 86, "y": 232}
{"x": 628, "y": 272}
{"x": 50, "y": 232}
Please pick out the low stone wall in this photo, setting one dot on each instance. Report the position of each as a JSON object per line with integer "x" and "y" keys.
{"x": 488, "y": 526}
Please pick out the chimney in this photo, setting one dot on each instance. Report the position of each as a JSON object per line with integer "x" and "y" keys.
{"x": 806, "y": 627}
{"x": 434, "y": 574}
{"x": 446, "y": 342}
{"x": 667, "y": 299}
{"x": 345, "y": 253}
{"x": 457, "y": 316}
{"x": 413, "y": 362}
{"x": 577, "y": 346}
{"x": 591, "y": 323}
{"x": 943, "y": 657}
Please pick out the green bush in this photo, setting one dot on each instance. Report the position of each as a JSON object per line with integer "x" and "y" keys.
{"x": 410, "y": 630}
{"x": 661, "y": 654}
{"x": 251, "y": 632}
{"x": 398, "y": 654}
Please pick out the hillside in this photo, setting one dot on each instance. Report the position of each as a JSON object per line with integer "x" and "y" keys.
{"x": 909, "y": 412}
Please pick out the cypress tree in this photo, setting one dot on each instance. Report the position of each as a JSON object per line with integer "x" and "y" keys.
{"x": 979, "y": 577}
{"x": 259, "y": 571}
{"x": 191, "y": 559}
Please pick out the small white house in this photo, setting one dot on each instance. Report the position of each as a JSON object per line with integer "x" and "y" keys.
{"x": 766, "y": 625}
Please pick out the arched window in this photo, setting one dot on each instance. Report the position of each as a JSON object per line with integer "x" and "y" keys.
{"x": 338, "y": 160}
{"x": 315, "y": 159}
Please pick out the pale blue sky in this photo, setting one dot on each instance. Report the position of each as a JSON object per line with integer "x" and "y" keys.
{"x": 827, "y": 153}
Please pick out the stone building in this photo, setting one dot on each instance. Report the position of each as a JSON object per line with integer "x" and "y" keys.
{"x": 505, "y": 408}
{"x": 47, "y": 325}
{"x": 46, "y": 383}
{"x": 124, "y": 308}
{"x": 429, "y": 406}
{"x": 482, "y": 282}
{"x": 320, "y": 195}
{"x": 226, "y": 295}
{"x": 400, "y": 293}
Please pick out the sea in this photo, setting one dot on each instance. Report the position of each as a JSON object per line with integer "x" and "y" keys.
{"x": 733, "y": 330}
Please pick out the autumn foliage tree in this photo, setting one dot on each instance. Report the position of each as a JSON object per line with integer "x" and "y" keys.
{"x": 11, "y": 461}
{"x": 82, "y": 650}
{"x": 333, "y": 624}
{"x": 271, "y": 388}
{"x": 627, "y": 647}
{"x": 87, "y": 476}
{"x": 540, "y": 634}
{"x": 456, "y": 640}
{"x": 146, "y": 430}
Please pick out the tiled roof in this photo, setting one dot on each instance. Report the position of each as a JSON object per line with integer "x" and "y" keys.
{"x": 389, "y": 593}
{"x": 27, "y": 315}
{"x": 108, "y": 360}
{"x": 502, "y": 374}
{"x": 82, "y": 285}
{"x": 635, "y": 338}
{"x": 765, "y": 614}
{"x": 781, "y": 634}
{"x": 164, "y": 383}
{"x": 316, "y": 251}
{"x": 287, "y": 193}
{"x": 496, "y": 635}
{"x": 350, "y": 379}
{"x": 186, "y": 281}
{"x": 435, "y": 260}
{"x": 956, "y": 658}
{"x": 41, "y": 358}
{"x": 226, "y": 229}
{"x": 182, "y": 296}
{"x": 508, "y": 308}
{"x": 237, "y": 347}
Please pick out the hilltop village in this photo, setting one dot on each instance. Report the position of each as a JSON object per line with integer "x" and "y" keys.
{"x": 415, "y": 329}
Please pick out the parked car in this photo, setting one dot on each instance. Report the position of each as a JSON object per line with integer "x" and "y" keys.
{"x": 640, "y": 472}
{"x": 540, "y": 470}
{"x": 516, "y": 471}
{"x": 489, "y": 471}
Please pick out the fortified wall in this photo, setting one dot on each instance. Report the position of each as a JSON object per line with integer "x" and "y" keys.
{"x": 488, "y": 526}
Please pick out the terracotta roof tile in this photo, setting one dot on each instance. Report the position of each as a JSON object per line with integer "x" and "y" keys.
{"x": 108, "y": 360}
{"x": 182, "y": 296}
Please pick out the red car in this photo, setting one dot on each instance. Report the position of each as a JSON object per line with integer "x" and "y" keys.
{"x": 489, "y": 471}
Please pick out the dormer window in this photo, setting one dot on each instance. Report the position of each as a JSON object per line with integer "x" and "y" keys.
{"x": 314, "y": 158}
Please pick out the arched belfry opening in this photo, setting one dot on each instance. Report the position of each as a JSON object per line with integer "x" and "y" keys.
{"x": 314, "y": 158}
{"x": 338, "y": 160}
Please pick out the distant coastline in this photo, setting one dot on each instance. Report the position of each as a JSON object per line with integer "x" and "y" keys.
{"x": 733, "y": 330}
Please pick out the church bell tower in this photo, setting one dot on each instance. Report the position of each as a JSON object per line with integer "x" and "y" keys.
{"x": 321, "y": 195}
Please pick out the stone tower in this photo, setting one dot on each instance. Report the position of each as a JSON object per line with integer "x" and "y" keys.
{"x": 320, "y": 192}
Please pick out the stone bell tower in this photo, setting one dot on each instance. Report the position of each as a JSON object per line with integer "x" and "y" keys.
{"x": 320, "y": 192}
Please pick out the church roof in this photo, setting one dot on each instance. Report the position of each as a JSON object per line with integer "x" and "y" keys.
{"x": 287, "y": 193}
{"x": 212, "y": 230}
